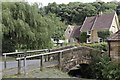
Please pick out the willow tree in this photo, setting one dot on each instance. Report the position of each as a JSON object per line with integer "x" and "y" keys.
{"x": 25, "y": 28}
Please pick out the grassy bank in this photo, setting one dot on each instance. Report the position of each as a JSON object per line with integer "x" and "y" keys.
{"x": 8, "y": 58}
{"x": 46, "y": 73}
{"x": 36, "y": 73}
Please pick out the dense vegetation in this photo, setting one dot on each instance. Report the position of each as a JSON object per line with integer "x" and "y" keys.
{"x": 25, "y": 27}
{"x": 28, "y": 26}
{"x": 104, "y": 34}
{"x": 100, "y": 68}
{"x": 75, "y": 12}
{"x": 83, "y": 37}
{"x": 104, "y": 69}
{"x": 99, "y": 46}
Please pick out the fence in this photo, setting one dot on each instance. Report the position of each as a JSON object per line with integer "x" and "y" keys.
{"x": 43, "y": 58}
{"x": 23, "y": 53}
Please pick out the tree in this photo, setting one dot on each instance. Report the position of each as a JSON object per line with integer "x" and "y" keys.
{"x": 24, "y": 27}
{"x": 83, "y": 37}
{"x": 104, "y": 69}
{"x": 75, "y": 12}
{"x": 104, "y": 34}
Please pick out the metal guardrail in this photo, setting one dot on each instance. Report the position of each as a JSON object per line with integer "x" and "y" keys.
{"x": 30, "y": 51}
{"x": 27, "y": 57}
{"x": 23, "y": 52}
{"x": 59, "y": 52}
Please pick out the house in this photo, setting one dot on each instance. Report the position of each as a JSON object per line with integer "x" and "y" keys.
{"x": 101, "y": 22}
{"x": 114, "y": 46}
{"x": 72, "y": 34}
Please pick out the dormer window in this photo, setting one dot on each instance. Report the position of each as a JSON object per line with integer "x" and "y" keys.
{"x": 88, "y": 32}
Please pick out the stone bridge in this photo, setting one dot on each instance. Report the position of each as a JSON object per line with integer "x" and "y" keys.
{"x": 69, "y": 58}
{"x": 76, "y": 56}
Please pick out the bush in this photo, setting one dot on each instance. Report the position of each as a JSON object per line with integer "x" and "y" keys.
{"x": 83, "y": 37}
{"x": 98, "y": 46}
{"x": 104, "y": 34}
{"x": 104, "y": 69}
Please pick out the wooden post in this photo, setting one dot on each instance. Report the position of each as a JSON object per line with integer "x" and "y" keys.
{"x": 109, "y": 49}
{"x": 5, "y": 64}
{"x": 41, "y": 62}
{"x": 46, "y": 57}
{"x": 59, "y": 60}
{"x": 24, "y": 62}
{"x": 72, "y": 51}
{"x": 19, "y": 66}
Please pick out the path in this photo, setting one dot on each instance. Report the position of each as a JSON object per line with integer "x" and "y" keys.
{"x": 30, "y": 65}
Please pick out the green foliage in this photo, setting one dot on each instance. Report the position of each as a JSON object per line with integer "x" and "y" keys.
{"x": 83, "y": 37}
{"x": 24, "y": 27}
{"x": 72, "y": 12}
{"x": 104, "y": 69}
{"x": 75, "y": 12}
{"x": 98, "y": 46}
{"x": 104, "y": 34}
{"x": 118, "y": 11}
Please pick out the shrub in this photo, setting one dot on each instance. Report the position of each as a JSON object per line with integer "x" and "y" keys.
{"x": 83, "y": 37}
{"x": 98, "y": 46}
{"x": 104, "y": 69}
{"x": 104, "y": 34}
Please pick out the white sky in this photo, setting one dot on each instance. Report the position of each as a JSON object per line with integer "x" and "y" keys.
{"x": 45, "y": 2}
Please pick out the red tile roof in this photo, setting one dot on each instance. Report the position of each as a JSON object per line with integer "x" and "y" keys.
{"x": 114, "y": 37}
{"x": 98, "y": 22}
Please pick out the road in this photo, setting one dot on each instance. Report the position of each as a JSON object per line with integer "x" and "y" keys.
{"x": 13, "y": 64}
{"x": 30, "y": 64}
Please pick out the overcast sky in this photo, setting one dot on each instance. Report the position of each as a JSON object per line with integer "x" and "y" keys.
{"x": 45, "y": 2}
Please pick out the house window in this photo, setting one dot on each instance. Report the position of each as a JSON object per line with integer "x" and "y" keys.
{"x": 88, "y": 40}
{"x": 69, "y": 41}
{"x": 88, "y": 32}
{"x": 88, "y": 36}
{"x": 101, "y": 40}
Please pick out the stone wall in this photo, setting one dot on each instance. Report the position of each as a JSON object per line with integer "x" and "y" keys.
{"x": 94, "y": 36}
{"x": 115, "y": 51}
{"x": 77, "y": 56}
